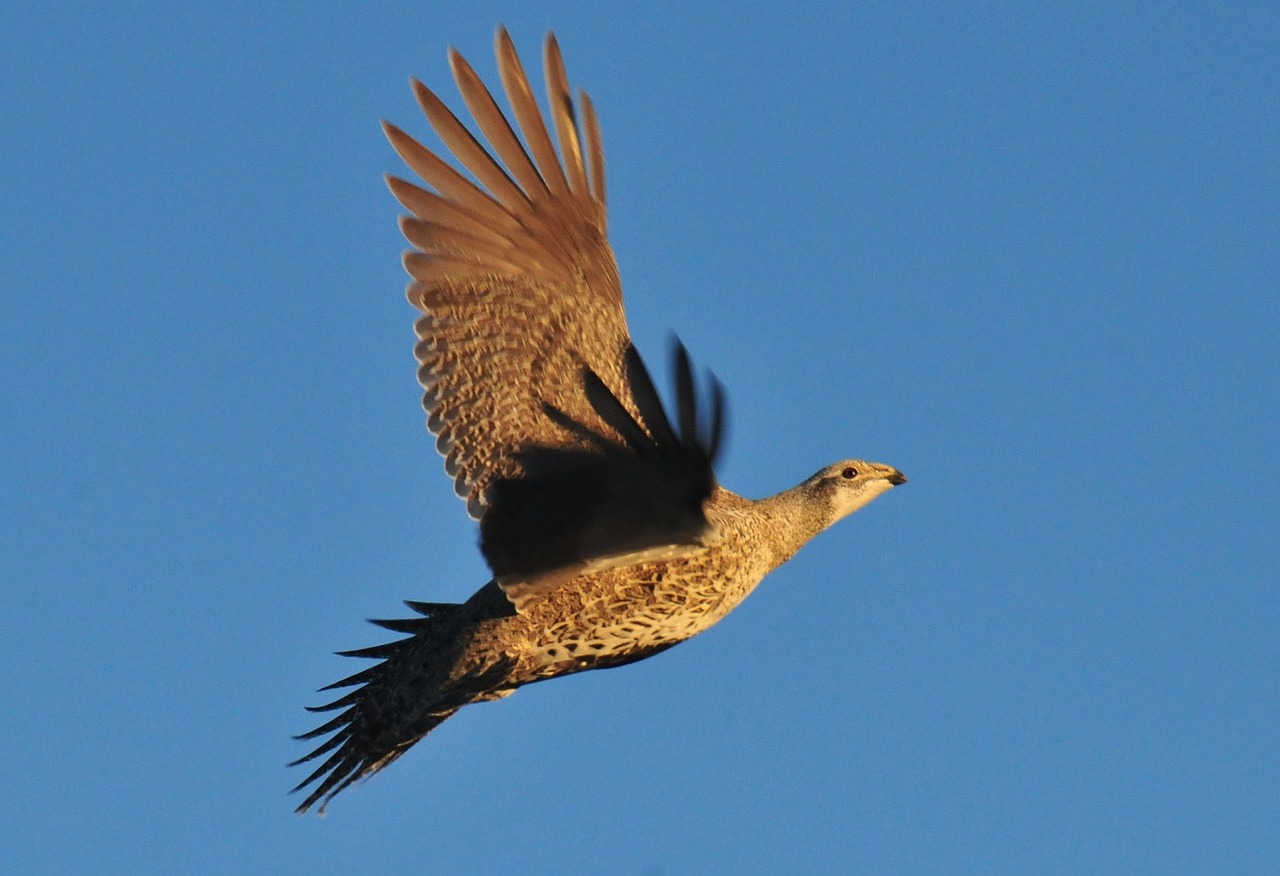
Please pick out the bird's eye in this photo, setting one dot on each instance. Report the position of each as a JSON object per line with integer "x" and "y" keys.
{"x": 849, "y": 473}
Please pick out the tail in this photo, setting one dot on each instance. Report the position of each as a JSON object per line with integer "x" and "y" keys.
{"x": 399, "y": 701}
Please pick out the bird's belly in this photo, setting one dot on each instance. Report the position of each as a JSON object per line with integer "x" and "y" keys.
{"x": 622, "y": 615}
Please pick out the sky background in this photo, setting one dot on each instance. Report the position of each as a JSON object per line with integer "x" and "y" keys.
{"x": 1027, "y": 253}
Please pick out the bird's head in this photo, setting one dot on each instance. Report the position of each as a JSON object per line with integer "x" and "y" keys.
{"x": 848, "y": 485}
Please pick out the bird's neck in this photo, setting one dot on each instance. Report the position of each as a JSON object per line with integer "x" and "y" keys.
{"x": 796, "y": 516}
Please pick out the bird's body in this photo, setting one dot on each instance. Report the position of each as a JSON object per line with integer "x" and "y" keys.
{"x": 608, "y": 536}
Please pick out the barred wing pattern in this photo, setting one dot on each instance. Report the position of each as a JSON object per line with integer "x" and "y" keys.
{"x": 610, "y": 502}
{"x": 532, "y": 387}
{"x": 518, "y": 286}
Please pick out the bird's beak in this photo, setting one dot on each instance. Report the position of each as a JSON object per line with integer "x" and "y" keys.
{"x": 896, "y": 477}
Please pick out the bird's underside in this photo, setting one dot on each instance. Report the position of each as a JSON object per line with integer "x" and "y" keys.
{"x": 600, "y": 516}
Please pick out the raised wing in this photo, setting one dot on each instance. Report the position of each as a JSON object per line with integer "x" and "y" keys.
{"x": 516, "y": 280}
{"x": 545, "y": 414}
{"x": 610, "y": 501}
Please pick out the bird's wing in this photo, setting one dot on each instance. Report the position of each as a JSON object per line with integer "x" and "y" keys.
{"x": 515, "y": 277}
{"x": 546, "y": 416}
{"x": 608, "y": 501}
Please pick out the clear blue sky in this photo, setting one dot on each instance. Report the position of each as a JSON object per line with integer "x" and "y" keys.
{"x": 1027, "y": 253}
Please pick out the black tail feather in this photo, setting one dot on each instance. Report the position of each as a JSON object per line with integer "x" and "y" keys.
{"x": 375, "y": 652}
{"x": 359, "y": 746}
{"x": 429, "y": 609}
{"x": 410, "y": 625}
{"x": 364, "y": 676}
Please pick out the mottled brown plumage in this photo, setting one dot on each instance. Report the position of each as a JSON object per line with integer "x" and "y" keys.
{"x": 608, "y": 536}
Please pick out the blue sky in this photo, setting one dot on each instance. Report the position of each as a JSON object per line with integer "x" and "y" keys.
{"x": 1027, "y": 253}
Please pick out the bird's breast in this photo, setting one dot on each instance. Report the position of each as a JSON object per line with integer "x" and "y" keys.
{"x": 627, "y": 613}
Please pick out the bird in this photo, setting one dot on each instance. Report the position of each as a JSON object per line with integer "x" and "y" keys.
{"x": 600, "y": 515}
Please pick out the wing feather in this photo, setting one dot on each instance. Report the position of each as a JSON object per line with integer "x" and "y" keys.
{"x": 468, "y": 150}
{"x": 562, "y": 114}
{"x": 595, "y": 148}
{"x": 524, "y": 356}
{"x": 516, "y": 85}
{"x": 448, "y": 181}
{"x": 513, "y": 272}
{"x": 497, "y": 130}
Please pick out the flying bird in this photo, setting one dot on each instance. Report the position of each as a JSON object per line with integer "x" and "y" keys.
{"x": 600, "y": 516}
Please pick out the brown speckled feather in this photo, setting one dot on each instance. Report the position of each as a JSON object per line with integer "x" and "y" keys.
{"x": 515, "y": 277}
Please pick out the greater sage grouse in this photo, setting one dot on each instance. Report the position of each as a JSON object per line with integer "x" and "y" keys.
{"x": 608, "y": 536}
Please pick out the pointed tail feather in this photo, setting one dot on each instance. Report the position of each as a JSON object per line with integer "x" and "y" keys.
{"x": 398, "y": 701}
